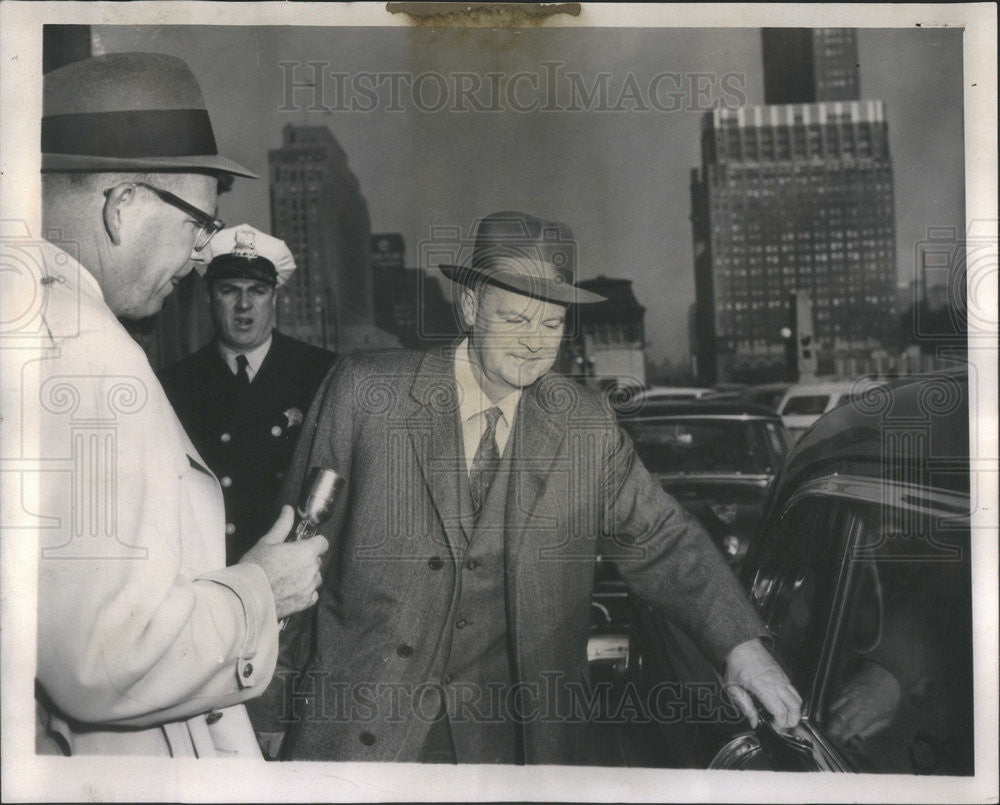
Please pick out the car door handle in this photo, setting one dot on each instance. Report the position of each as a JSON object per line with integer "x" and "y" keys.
{"x": 775, "y": 736}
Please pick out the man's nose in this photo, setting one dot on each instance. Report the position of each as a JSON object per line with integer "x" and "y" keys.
{"x": 533, "y": 341}
{"x": 243, "y": 301}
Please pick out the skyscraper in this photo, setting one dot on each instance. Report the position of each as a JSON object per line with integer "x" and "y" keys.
{"x": 409, "y": 302}
{"x": 792, "y": 198}
{"x": 318, "y": 210}
{"x": 810, "y": 65}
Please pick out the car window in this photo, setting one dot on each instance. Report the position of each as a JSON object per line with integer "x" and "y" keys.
{"x": 796, "y": 580}
{"x": 899, "y": 694}
{"x": 806, "y": 405}
{"x": 769, "y": 398}
{"x": 699, "y": 446}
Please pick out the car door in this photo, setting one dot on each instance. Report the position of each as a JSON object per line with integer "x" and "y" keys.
{"x": 894, "y": 693}
{"x": 876, "y": 634}
{"x": 795, "y": 579}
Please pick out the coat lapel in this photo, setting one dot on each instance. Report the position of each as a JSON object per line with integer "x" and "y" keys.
{"x": 434, "y": 431}
{"x": 539, "y": 430}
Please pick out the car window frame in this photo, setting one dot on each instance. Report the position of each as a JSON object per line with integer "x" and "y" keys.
{"x": 805, "y": 493}
{"x": 843, "y": 490}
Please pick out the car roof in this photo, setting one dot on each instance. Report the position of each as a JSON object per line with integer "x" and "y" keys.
{"x": 916, "y": 428}
{"x": 689, "y": 408}
{"x": 830, "y": 387}
{"x": 668, "y": 390}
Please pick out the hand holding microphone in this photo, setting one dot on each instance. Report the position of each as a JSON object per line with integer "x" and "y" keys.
{"x": 290, "y": 557}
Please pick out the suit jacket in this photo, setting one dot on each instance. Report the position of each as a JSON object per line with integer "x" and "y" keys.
{"x": 247, "y": 437}
{"x": 355, "y": 669}
{"x": 142, "y": 629}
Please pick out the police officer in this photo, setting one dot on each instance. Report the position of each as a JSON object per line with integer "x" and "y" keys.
{"x": 242, "y": 397}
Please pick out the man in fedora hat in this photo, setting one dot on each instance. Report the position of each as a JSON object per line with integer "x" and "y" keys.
{"x": 147, "y": 642}
{"x": 453, "y": 622}
{"x": 242, "y": 397}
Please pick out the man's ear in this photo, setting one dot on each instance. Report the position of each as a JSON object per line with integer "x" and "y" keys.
{"x": 116, "y": 199}
{"x": 470, "y": 306}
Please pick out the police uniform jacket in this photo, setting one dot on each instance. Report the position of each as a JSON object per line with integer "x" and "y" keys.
{"x": 394, "y": 580}
{"x": 247, "y": 436}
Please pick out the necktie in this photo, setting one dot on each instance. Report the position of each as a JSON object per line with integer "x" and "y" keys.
{"x": 484, "y": 464}
{"x": 242, "y": 375}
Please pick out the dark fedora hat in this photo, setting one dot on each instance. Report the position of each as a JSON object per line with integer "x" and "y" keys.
{"x": 128, "y": 112}
{"x": 527, "y": 255}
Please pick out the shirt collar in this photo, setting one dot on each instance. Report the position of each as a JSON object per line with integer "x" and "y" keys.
{"x": 472, "y": 400}
{"x": 255, "y": 357}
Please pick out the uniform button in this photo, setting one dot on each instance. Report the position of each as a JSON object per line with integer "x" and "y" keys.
{"x": 276, "y": 430}
{"x": 403, "y": 650}
{"x": 366, "y": 738}
{"x": 461, "y": 623}
{"x": 226, "y": 481}
{"x": 435, "y": 563}
{"x": 247, "y": 671}
{"x": 448, "y": 679}
{"x": 472, "y": 564}
{"x": 230, "y": 528}
{"x": 226, "y": 438}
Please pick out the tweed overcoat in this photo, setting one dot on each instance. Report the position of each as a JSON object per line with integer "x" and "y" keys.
{"x": 353, "y": 671}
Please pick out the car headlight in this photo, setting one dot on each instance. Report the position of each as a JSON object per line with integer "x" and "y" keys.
{"x": 733, "y": 546}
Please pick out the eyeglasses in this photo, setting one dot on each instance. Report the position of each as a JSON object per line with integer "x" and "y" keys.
{"x": 209, "y": 225}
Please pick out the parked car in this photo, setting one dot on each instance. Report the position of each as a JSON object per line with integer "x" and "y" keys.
{"x": 804, "y": 403}
{"x": 766, "y": 394}
{"x": 716, "y": 458}
{"x": 861, "y": 572}
{"x": 673, "y": 394}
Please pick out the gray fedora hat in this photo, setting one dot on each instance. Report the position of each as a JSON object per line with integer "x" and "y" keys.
{"x": 128, "y": 112}
{"x": 527, "y": 255}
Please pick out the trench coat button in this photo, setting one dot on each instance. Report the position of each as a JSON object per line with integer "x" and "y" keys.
{"x": 461, "y": 623}
{"x": 367, "y": 738}
{"x": 435, "y": 563}
{"x": 472, "y": 564}
{"x": 404, "y": 650}
{"x": 276, "y": 430}
{"x": 247, "y": 671}
{"x": 225, "y": 438}
{"x": 213, "y": 716}
{"x": 226, "y": 481}
{"x": 230, "y": 528}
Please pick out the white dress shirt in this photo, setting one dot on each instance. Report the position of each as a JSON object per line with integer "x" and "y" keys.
{"x": 473, "y": 404}
{"x": 255, "y": 357}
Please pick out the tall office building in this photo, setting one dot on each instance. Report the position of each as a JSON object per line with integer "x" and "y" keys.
{"x": 810, "y": 65}
{"x": 792, "y": 198}
{"x": 409, "y": 302}
{"x": 318, "y": 210}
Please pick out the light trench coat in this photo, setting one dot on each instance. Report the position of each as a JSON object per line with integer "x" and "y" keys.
{"x": 147, "y": 643}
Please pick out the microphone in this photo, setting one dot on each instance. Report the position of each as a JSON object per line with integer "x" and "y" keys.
{"x": 315, "y": 505}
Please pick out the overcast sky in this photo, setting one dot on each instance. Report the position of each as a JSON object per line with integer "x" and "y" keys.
{"x": 620, "y": 179}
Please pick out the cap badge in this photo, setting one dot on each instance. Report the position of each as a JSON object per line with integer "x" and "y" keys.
{"x": 245, "y": 246}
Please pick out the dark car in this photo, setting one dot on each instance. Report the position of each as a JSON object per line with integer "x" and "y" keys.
{"x": 716, "y": 458}
{"x": 861, "y": 572}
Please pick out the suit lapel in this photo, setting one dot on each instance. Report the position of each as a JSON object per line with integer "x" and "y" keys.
{"x": 434, "y": 431}
{"x": 539, "y": 431}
